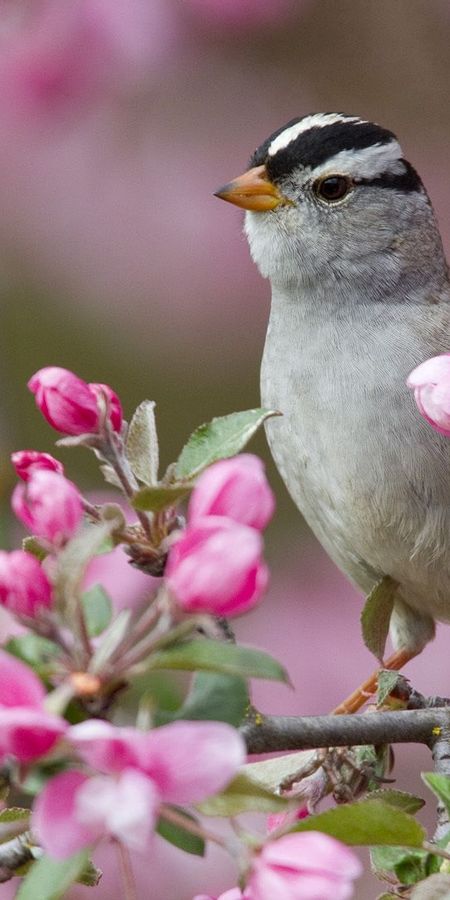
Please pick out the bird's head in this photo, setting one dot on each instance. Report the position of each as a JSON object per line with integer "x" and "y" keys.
{"x": 331, "y": 194}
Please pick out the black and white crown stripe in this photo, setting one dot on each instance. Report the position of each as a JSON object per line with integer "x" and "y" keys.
{"x": 333, "y": 143}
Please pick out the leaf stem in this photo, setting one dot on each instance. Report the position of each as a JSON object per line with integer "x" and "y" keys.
{"x": 177, "y": 818}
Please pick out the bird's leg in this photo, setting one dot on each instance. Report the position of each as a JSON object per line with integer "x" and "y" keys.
{"x": 359, "y": 697}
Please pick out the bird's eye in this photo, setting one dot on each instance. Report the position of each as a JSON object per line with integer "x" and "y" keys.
{"x": 332, "y": 188}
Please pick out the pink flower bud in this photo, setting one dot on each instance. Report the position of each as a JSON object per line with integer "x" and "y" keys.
{"x": 24, "y": 586}
{"x": 49, "y": 505}
{"x": 216, "y": 567}
{"x": 27, "y": 731}
{"x": 305, "y": 865}
{"x": 236, "y": 488}
{"x": 431, "y": 385}
{"x": 24, "y": 461}
{"x": 114, "y": 404}
{"x": 70, "y": 404}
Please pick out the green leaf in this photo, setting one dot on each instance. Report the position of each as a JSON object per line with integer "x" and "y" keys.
{"x": 243, "y": 795}
{"x": 34, "y": 650}
{"x": 409, "y": 803}
{"x": 440, "y": 785}
{"x": 387, "y": 681}
{"x": 49, "y": 879}
{"x": 157, "y": 497}
{"x": 90, "y": 875}
{"x": 222, "y": 437}
{"x": 76, "y": 556}
{"x": 180, "y": 837}
{"x": 220, "y": 698}
{"x": 214, "y": 656}
{"x": 31, "y": 545}
{"x": 376, "y": 616}
{"x": 14, "y": 814}
{"x": 367, "y": 823}
{"x": 97, "y": 610}
{"x": 142, "y": 443}
{"x": 269, "y": 773}
{"x": 111, "y": 639}
{"x": 408, "y": 866}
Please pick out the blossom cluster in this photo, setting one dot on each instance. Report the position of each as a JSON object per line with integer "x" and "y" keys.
{"x": 101, "y": 780}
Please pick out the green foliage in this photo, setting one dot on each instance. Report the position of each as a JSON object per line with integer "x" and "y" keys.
{"x": 49, "y": 879}
{"x": 31, "y": 544}
{"x": 376, "y": 616}
{"x": 215, "y": 697}
{"x": 440, "y": 785}
{"x": 387, "y": 681}
{"x": 222, "y": 437}
{"x": 179, "y": 836}
{"x": 243, "y": 795}
{"x": 36, "y": 651}
{"x": 142, "y": 444}
{"x": 409, "y": 803}
{"x": 368, "y": 823}
{"x": 14, "y": 814}
{"x": 213, "y": 656}
{"x": 97, "y": 610}
{"x": 157, "y": 497}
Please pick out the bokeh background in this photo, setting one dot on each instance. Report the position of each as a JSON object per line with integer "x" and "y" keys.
{"x": 118, "y": 120}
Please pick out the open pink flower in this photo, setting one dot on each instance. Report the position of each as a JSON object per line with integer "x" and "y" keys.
{"x": 49, "y": 505}
{"x": 70, "y": 404}
{"x": 136, "y": 772}
{"x": 25, "y": 461}
{"x": 75, "y": 811}
{"x": 27, "y": 731}
{"x": 236, "y": 488}
{"x": 303, "y": 866}
{"x": 431, "y": 385}
{"x": 216, "y": 567}
{"x": 24, "y": 586}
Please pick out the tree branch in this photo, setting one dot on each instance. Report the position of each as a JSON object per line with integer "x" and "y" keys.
{"x": 268, "y": 734}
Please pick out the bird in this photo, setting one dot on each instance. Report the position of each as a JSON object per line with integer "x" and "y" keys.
{"x": 342, "y": 226}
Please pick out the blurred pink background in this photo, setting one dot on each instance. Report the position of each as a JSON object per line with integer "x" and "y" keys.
{"x": 118, "y": 120}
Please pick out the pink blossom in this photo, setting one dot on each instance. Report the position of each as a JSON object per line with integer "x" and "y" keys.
{"x": 216, "y": 567}
{"x": 69, "y": 52}
{"x": 236, "y": 488}
{"x": 431, "y": 385}
{"x": 27, "y": 731}
{"x": 276, "y": 820}
{"x": 187, "y": 760}
{"x": 24, "y": 461}
{"x": 70, "y": 404}
{"x": 105, "y": 393}
{"x": 74, "y": 811}
{"x": 49, "y": 505}
{"x": 183, "y": 762}
{"x": 304, "y": 866}
{"x": 24, "y": 586}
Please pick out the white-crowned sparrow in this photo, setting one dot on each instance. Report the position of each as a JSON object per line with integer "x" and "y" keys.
{"x": 342, "y": 226}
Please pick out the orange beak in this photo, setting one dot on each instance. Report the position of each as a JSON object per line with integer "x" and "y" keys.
{"x": 253, "y": 190}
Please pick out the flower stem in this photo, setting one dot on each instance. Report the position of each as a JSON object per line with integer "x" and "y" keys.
{"x": 126, "y": 871}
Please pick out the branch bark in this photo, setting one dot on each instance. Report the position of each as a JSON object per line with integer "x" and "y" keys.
{"x": 268, "y": 734}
